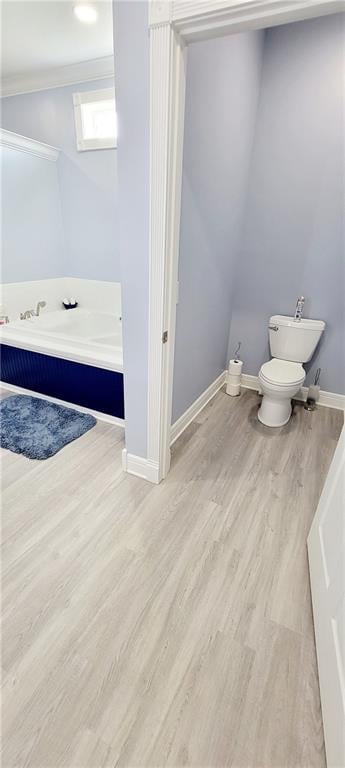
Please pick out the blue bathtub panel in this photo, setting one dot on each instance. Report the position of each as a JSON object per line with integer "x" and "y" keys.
{"x": 76, "y": 383}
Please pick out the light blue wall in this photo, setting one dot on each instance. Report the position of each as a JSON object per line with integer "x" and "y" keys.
{"x": 293, "y": 240}
{"x": 88, "y": 180}
{"x": 223, "y": 83}
{"x": 132, "y": 89}
{"x": 31, "y": 227}
{"x": 133, "y": 166}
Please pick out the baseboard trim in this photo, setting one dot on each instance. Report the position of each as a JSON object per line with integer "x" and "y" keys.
{"x": 140, "y": 467}
{"x": 97, "y": 414}
{"x": 190, "y": 414}
{"x": 250, "y": 382}
{"x": 326, "y": 399}
{"x": 149, "y": 470}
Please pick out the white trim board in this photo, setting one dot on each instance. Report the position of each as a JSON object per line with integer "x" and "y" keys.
{"x": 202, "y": 19}
{"x": 326, "y": 399}
{"x": 149, "y": 470}
{"x": 140, "y": 467}
{"x": 97, "y": 414}
{"x": 327, "y": 581}
{"x": 58, "y": 77}
{"x": 191, "y": 413}
{"x": 11, "y": 140}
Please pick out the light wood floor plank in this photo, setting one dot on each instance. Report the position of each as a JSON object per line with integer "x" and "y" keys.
{"x": 165, "y": 625}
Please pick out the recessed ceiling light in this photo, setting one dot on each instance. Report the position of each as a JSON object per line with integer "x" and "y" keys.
{"x": 86, "y": 13}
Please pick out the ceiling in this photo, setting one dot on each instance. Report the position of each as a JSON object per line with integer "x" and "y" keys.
{"x": 41, "y": 34}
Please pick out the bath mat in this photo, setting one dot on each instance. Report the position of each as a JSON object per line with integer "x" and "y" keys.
{"x": 39, "y": 429}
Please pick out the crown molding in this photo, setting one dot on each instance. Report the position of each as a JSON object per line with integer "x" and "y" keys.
{"x": 12, "y": 140}
{"x": 57, "y": 77}
{"x": 195, "y": 19}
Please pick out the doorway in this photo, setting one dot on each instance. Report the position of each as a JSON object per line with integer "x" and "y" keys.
{"x": 170, "y": 34}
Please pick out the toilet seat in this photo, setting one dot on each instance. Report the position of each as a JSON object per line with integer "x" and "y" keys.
{"x": 282, "y": 372}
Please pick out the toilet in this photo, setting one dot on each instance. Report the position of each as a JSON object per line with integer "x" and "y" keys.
{"x": 292, "y": 342}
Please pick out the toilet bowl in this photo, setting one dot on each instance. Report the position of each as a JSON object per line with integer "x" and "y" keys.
{"x": 293, "y": 341}
{"x": 280, "y": 380}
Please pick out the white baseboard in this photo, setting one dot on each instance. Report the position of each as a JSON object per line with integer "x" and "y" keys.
{"x": 327, "y": 399}
{"x": 250, "y": 382}
{"x": 148, "y": 470}
{"x": 97, "y": 414}
{"x": 190, "y": 414}
{"x": 139, "y": 466}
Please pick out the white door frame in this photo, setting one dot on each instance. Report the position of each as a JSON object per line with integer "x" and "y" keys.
{"x": 173, "y": 24}
{"x": 326, "y": 551}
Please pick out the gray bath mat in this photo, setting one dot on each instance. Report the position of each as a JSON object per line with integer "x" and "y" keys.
{"x": 37, "y": 428}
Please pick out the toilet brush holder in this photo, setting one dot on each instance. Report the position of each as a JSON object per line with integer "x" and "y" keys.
{"x": 312, "y": 397}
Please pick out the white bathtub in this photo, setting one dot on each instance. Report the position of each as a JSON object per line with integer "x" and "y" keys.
{"x": 82, "y": 335}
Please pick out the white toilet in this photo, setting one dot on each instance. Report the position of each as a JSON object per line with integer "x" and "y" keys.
{"x": 292, "y": 343}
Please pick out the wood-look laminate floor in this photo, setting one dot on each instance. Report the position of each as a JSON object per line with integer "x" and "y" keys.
{"x": 170, "y": 625}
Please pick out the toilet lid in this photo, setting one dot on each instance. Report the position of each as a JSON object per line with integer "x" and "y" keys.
{"x": 283, "y": 371}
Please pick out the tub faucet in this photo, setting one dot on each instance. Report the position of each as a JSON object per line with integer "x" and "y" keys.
{"x": 299, "y": 308}
{"x": 28, "y": 313}
{"x": 40, "y": 305}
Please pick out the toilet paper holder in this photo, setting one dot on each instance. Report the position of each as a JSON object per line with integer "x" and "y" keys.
{"x": 237, "y": 350}
{"x": 233, "y": 385}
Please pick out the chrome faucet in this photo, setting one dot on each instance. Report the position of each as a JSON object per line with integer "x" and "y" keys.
{"x": 40, "y": 305}
{"x": 28, "y": 313}
{"x": 33, "y": 313}
{"x": 299, "y": 309}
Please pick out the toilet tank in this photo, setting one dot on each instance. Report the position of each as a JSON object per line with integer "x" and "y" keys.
{"x": 294, "y": 340}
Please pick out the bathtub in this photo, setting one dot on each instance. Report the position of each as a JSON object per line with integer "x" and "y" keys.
{"x": 77, "y": 334}
{"x": 73, "y": 355}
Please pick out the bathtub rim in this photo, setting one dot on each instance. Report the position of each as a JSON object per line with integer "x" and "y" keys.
{"x": 65, "y": 353}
